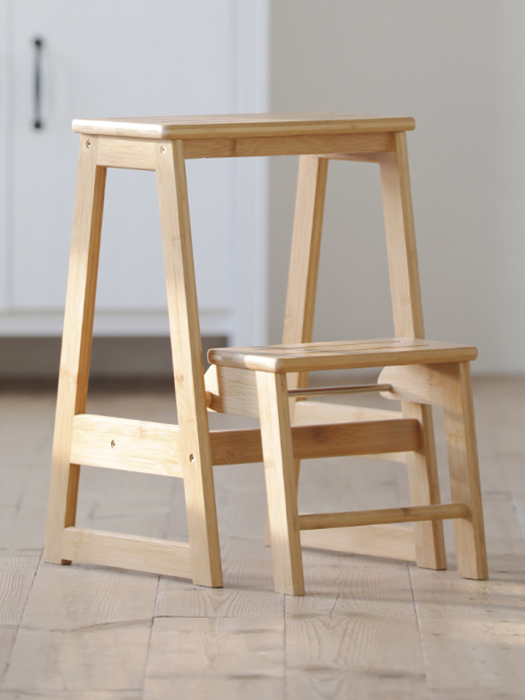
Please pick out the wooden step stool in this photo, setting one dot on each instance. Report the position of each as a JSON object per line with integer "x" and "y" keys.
{"x": 267, "y": 382}
{"x": 189, "y": 450}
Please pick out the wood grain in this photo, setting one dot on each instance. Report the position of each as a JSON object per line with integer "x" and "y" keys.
{"x": 269, "y": 124}
{"x": 319, "y": 521}
{"x": 308, "y": 412}
{"x": 408, "y": 322}
{"x": 281, "y": 485}
{"x": 76, "y": 344}
{"x": 82, "y": 624}
{"x": 188, "y": 368}
{"x": 128, "y": 551}
{"x": 216, "y": 657}
{"x": 415, "y": 383}
{"x": 342, "y": 355}
{"x": 296, "y": 145}
{"x": 154, "y": 448}
{"x": 464, "y": 469}
{"x": 126, "y": 153}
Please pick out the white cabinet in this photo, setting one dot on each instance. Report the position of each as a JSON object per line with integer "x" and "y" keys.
{"x": 118, "y": 58}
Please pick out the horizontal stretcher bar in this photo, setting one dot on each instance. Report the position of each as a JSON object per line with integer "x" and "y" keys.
{"x": 139, "y": 154}
{"x": 349, "y": 389}
{"x": 384, "y": 516}
{"x": 127, "y": 551}
{"x": 154, "y": 448}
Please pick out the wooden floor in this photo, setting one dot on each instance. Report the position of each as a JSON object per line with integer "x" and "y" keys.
{"x": 366, "y": 628}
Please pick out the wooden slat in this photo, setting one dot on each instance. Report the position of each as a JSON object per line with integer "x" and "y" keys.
{"x": 127, "y": 551}
{"x": 317, "y": 441}
{"x": 307, "y": 412}
{"x": 359, "y": 157}
{"x": 287, "y": 145}
{"x": 154, "y": 448}
{"x": 130, "y": 445}
{"x": 349, "y": 389}
{"x": 342, "y": 355}
{"x": 311, "y": 412}
{"x": 209, "y": 126}
{"x": 126, "y": 153}
{"x": 363, "y": 438}
{"x": 392, "y": 541}
{"x": 320, "y": 521}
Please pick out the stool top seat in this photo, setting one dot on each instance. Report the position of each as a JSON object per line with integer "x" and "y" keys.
{"x": 242, "y": 125}
{"x": 309, "y": 357}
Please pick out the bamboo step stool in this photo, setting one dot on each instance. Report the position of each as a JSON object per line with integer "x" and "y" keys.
{"x": 418, "y": 372}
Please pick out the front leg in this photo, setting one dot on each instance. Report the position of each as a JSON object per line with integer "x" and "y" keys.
{"x": 276, "y": 435}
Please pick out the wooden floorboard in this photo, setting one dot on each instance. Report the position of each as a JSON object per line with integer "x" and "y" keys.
{"x": 367, "y": 628}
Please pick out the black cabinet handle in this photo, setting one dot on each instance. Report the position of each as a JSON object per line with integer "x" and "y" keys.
{"x": 38, "y": 44}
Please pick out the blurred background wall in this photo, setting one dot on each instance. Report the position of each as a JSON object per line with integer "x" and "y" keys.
{"x": 457, "y": 66}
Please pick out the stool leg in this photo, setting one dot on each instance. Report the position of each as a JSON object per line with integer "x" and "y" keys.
{"x": 304, "y": 266}
{"x": 424, "y": 490}
{"x": 276, "y": 435}
{"x": 464, "y": 469}
{"x": 408, "y": 322}
{"x": 195, "y": 448}
{"x": 76, "y": 344}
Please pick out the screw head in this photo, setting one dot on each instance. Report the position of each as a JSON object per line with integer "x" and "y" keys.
{"x": 192, "y": 458}
{"x": 163, "y": 149}
{"x": 113, "y": 444}
{"x": 88, "y": 143}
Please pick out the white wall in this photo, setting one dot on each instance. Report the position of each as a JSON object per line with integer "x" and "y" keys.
{"x": 458, "y": 67}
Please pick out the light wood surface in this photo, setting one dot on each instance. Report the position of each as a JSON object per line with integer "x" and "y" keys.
{"x": 303, "y": 269}
{"x": 342, "y": 355}
{"x": 129, "y": 445}
{"x": 154, "y": 448}
{"x": 418, "y": 384}
{"x": 128, "y": 551}
{"x": 281, "y": 486}
{"x": 287, "y": 145}
{"x": 408, "y": 322}
{"x": 314, "y": 441}
{"x": 242, "y": 125}
{"x": 311, "y": 412}
{"x": 322, "y": 521}
{"x": 338, "y": 389}
{"x": 464, "y": 470}
{"x": 76, "y": 346}
{"x": 328, "y": 412}
{"x": 232, "y": 391}
{"x": 88, "y": 632}
{"x": 126, "y": 153}
{"x": 188, "y": 369}
{"x": 304, "y": 257}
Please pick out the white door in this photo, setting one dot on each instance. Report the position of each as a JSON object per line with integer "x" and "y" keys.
{"x": 120, "y": 58}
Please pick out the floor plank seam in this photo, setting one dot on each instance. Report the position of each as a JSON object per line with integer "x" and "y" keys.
{"x": 37, "y": 568}
{"x": 418, "y": 622}
{"x": 148, "y": 649}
